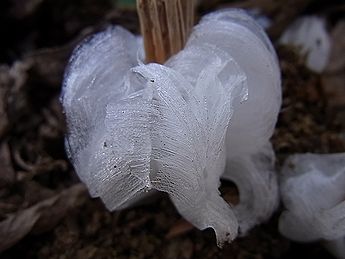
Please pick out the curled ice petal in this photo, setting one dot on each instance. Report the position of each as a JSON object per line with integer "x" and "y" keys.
{"x": 250, "y": 158}
{"x": 313, "y": 192}
{"x": 188, "y": 140}
{"x": 255, "y": 177}
{"x": 108, "y": 137}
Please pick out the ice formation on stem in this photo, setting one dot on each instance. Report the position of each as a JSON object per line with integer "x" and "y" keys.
{"x": 136, "y": 127}
{"x": 313, "y": 193}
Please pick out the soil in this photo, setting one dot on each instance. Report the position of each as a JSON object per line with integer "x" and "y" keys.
{"x": 45, "y": 212}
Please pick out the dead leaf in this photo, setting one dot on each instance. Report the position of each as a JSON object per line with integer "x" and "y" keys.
{"x": 4, "y": 82}
{"x": 7, "y": 174}
{"x": 16, "y": 226}
{"x": 40, "y": 217}
{"x": 16, "y": 102}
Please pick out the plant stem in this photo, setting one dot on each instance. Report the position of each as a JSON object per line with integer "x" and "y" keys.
{"x": 165, "y": 26}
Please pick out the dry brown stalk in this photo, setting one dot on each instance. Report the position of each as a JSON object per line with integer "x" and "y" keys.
{"x": 165, "y": 26}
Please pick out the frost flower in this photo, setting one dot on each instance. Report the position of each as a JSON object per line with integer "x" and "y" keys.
{"x": 309, "y": 34}
{"x": 134, "y": 127}
{"x": 313, "y": 192}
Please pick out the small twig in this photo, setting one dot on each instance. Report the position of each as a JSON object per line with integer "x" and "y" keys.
{"x": 165, "y": 26}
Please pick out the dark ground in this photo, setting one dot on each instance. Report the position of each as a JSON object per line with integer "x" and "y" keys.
{"x": 46, "y": 213}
